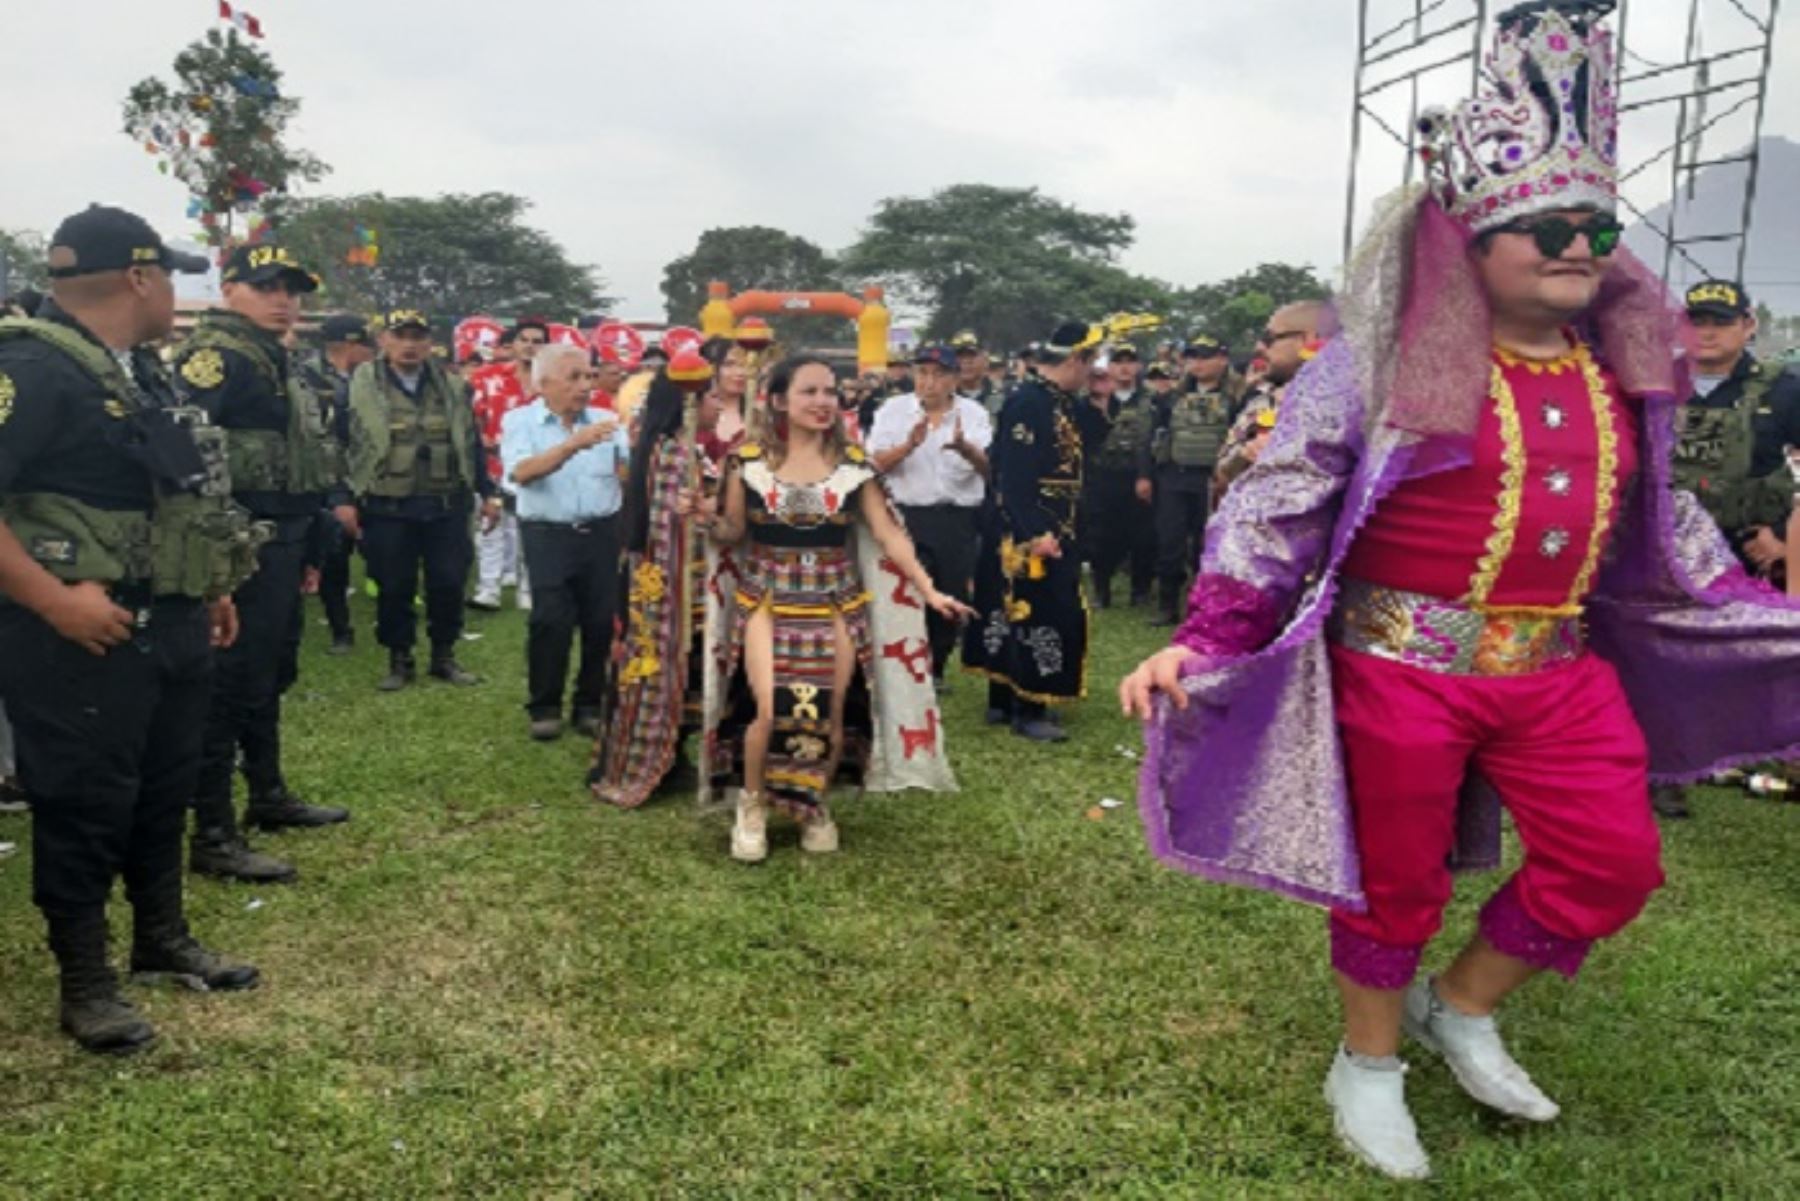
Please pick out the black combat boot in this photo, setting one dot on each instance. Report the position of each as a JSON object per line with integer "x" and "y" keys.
{"x": 92, "y": 1011}
{"x": 280, "y": 809}
{"x": 401, "y": 671}
{"x": 445, "y": 667}
{"x": 343, "y": 643}
{"x": 1170, "y": 614}
{"x": 162, "y": 947}
{"x": 224, "y": 855}
{"x": 1103, "y": 597}
{"x": 1670, "y": 801}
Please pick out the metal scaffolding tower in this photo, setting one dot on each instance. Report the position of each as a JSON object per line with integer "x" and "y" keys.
{"x": 1692, "y": 74}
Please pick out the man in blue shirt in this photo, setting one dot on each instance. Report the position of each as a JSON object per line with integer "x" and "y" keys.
{"x": 565, "y": 461}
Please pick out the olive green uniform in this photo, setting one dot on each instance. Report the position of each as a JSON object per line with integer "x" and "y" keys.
{"x": 1184, "y": 443}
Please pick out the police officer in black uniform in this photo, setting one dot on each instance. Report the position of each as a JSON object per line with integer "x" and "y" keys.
{"x": 119, "y": 548}
{"x": 1121, "y": 527}
{"x": 284, "y": 464}
{"x": 347, "y": 345}
{"x": 416, "y": 469}
{"x": 1732, "y": 449}
{"x": 1183, "y": 449}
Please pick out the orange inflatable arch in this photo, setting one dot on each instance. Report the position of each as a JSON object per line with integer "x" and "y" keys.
{"x": 723, "y": 311}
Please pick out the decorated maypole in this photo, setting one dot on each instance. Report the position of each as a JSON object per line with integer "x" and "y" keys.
{"x": 217, "y": 130}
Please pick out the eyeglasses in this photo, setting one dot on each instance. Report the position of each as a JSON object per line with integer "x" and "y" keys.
{"x": 1272, "y": 336}
{"x": 1554, "y": 235}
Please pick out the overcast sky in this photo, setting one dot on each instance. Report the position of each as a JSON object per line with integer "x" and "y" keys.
{"x": 1222, "y": 127}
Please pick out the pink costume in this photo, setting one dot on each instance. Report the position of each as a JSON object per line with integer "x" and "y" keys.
{"x": 1455, "y": 578}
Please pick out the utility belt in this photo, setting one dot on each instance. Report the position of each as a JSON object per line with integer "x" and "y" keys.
{"x": 1451, "y": 637}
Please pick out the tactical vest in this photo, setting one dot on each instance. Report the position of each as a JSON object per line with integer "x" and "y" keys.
{"x": 410, "y": 446}
{"x": 1119, "y": 451}
{"x": 1198, "y": 423}
{"x": 1714, "y": 450}
{"x": 197, "y": 544}
{"x": 302, "y": 460}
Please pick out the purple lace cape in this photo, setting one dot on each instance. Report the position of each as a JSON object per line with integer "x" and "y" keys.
{"x": 1247, "y": 785}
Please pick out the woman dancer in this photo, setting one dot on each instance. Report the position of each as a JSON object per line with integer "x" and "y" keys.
{"x": 805, "y": 688}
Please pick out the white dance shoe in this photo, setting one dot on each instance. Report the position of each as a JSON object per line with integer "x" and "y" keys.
{"x": 1477, "y": 1057}
{"x": 1369, "y": 1114}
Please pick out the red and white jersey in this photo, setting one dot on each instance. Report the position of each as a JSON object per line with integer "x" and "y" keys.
{"x": 495, "y": 391}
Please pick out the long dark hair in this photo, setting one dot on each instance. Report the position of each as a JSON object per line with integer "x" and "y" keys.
{"x": 660, "y": 418}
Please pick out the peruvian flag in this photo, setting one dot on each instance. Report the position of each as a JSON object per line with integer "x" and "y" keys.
{"x": 241, "y": 19}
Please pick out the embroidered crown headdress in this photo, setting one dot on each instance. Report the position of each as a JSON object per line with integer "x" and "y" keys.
{"x": 1542, "y": 131}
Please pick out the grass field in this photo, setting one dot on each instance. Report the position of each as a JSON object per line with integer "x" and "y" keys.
{"x": 487, "y": 986}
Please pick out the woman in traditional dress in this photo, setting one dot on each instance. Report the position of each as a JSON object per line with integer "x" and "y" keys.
{"x": 805, "y": 688}
{"x": 731, "y": 385}
{"x": 656, "y": 697}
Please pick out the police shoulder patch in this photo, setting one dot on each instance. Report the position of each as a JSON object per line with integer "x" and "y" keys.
{"x": 8, "y": 392}
{"x": 204, "y": 368}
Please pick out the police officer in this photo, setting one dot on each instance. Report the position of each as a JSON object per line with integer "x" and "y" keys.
{"x": 284, "y": 463}
{"x": 1182, "y": 449}
{"x": 972, "y": 379}
{"x": 1030, "y": 638}
{"x": 416, "y": 470}
{"x": 119, "y": 548}
{"x": 1120, "y": 526}
{"x": 347, "y": 346}
{"x": 1731, "y": 452}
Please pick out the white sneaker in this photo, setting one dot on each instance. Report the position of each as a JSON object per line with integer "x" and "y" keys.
{"x": 1477, "y": 1057}
{"x": 749, "y": 834}
{"x": 484, "y": 599}
{"x": 1370, "y": 1117}
{"x": 523, "y": 600}
{"x": 819, "y": 834}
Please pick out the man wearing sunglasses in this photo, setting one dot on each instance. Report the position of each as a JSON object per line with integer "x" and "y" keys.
{"x": 285, "y": 463}
{"x": 1456, "y": 579}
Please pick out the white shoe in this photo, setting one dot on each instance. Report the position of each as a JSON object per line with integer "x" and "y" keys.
{"x": 523, "y": 600}
{"x": 819, "y": 834}
{"x": 484, "y": 599}
{"x": 1477, "y": 1057}
{"x": 1369, "y": 1114}
{"x": 749, "y": 834}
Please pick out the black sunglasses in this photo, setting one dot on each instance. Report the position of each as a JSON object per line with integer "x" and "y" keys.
{"x": 1554, "y": 235}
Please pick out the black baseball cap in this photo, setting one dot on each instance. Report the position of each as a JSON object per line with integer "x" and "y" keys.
{"x": 100, "y": 238}
{"x": 264, "y": 263}
{"x": 1122, "y": 350}
{"x": 1204, "y": 346}
{"x": 344, "y": 329}
{"x": 935, "y": 354}
{"x": 1718, "y": 298}
{"x": 1159, "y": 371}
{"x": 398, "y": 319}
{"x": 965, "y": 342}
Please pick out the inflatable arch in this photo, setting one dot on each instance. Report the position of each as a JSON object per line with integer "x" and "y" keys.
{"x": 723, "y": 311}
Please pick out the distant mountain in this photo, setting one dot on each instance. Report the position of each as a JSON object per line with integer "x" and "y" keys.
{"x": 1772, "y": 271}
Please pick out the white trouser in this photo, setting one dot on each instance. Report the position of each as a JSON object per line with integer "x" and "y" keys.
{"x": 498, "y": 552}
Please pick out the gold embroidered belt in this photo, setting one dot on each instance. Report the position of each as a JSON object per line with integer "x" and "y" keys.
{"x": 1451, "y": 637}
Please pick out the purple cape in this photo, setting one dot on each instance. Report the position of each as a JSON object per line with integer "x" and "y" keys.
{"x": 1247, "y": 784}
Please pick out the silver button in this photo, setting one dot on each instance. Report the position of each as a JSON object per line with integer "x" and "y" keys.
{"x": 1559, "y": 481}
{"x": 1554, "y": 416}
{"x": 1554, "y": 542}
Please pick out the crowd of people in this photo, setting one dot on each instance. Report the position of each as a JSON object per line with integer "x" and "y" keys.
{"x": 1467, "y": 523}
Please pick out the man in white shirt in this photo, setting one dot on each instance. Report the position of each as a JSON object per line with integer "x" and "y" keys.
{"x": 931, "y": 445}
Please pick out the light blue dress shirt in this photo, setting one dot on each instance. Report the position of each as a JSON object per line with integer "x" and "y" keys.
{"x": 582, "y": 489}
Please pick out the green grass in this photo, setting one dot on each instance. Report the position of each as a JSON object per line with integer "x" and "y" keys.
{"x": 487, "y": 986}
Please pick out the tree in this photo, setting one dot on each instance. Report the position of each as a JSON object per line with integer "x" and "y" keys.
{"x": 1005, "y": 262}
{"x": 218, "y": 129}
{"x": 449, "y": 256}
{"x": 1236, "y": 309}
{"x": 21, "y": 262}
{"x": 746, "y": 257}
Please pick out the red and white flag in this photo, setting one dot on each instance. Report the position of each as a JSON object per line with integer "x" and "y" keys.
{"x": 241, "y": 19}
